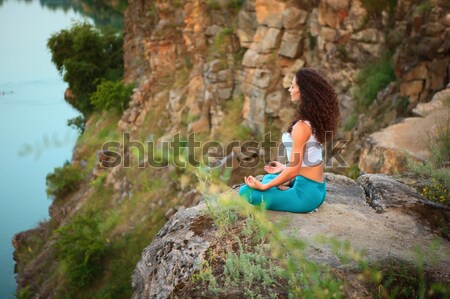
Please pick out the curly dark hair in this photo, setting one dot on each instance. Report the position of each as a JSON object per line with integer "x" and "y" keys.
{"x": 318, "y": 104}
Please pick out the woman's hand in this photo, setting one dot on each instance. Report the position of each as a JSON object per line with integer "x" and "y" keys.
{"x": 274, "y": 167}
{"x": 254, "y": 183}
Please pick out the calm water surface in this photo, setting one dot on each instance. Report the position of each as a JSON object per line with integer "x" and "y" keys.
{"x": 34, "y": 134}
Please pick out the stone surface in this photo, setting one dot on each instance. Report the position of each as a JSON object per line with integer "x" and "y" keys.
{"x": 293, "y": 18}
{"x": 252, "y": 59}
{"x": 179, "y": 247}
{"x": 270, "y": 41}
{"x": 291, "y": 44}
{"x": 420, "y": 71}
{"x": 384, "y": 192}
{"x": 329, "y": 34}
{"x": 327, "y": 16}
{"x": 356, "y": 16}
{"x": 269, "y": 12}
{"x": 369, "y": 35}
{"x": 438, "y": 102}
{"x": 287, "y": 79}
{"x": 273, "y": 101}
{"x": 382, "y": 152}
{"x": 411, "y": 88}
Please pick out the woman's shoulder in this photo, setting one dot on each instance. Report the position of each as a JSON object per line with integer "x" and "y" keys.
{"x": 302, "y": 124}
{"x": 301, "y": 128}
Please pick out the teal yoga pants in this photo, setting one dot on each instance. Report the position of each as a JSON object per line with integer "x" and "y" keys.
{"x": 303, "y": 196}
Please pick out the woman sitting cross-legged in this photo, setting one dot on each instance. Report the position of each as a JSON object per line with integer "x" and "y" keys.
{"x": 317, "y": 113}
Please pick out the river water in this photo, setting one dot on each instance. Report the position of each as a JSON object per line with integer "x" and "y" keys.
{"x": 34, "y": 134}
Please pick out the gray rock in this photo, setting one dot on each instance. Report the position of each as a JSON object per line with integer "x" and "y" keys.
{"x": 270, "y": 41}
{"x": 293, "y": 18}
{"x": 384, "y": 192}
{"x": 273, "y": 101}
{"x": 212, "y": 30}
{"x": 177, "y": 250}
{"x": 252, "y": 59}
{"x": 437, "y": 102}
{"x": 329, "y": 34}
{"x": 369, "y": 35}
{"x": 262, "y": 78}
{"x": 224, "y": 93}
{"x": 291, "y": 44}
{"x": 247, "y": 20}
{"x": 344, "y": 190}
{"x": 174, "y": 254}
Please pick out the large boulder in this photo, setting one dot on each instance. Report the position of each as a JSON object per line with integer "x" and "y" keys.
{"x": 178, "y": 249}
{"x": 383, "y": 151}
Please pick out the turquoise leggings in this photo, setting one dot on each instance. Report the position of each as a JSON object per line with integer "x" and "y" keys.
{"x": 303, "y": 196}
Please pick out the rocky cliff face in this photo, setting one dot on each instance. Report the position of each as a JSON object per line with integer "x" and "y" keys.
{"x": 171, "y": 51}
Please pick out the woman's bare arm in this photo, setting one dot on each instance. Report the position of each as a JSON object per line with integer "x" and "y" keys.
{"x": 301, "y": 133}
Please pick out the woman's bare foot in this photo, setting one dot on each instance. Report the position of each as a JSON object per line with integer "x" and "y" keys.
{"x": 282, "y": 187}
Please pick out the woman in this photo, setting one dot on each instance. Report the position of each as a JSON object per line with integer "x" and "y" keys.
{"x": 317, "y": 113}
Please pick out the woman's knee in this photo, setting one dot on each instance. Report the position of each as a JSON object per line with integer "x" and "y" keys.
{"x": 268, "y": 177}
{"x": 243, "y": 189}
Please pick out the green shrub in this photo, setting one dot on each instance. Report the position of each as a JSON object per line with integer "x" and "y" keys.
{"x": 77, "y": 123}
{"x": 312, "y": 41}
{"x": 375, "y": 7}
{"x": 251, "y": 270}
{"x": 233, "y": 5}
{"x": 81, "y": 247}
{"x": 99, "y": 181}
{"x": 83, "y": 55}
{"x": 422, "y": 8}
{"x": 436, "y": 167}
{"x": 351, "y": 122}
{"x": 24, "y": 293}
{"x": 112, "y": 95}
{"x": 63, "y": 180}
{"x": 373, "y": 78}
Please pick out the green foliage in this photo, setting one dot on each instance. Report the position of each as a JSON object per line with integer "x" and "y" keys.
{"x": 312, "y": 41}
{"x": 353, "y": 171}
{"x": 342, "y": 51}
{"x": 423, "y": 8}
{"x": 221, "y": 46}
{"x": 112, "y": 95}
{"x": 373, "y": 78}
{"x": 83, "y": 55}
{"x": 239, "y": 56}
{"x": 377, "y": 6}
{"x": 252, "y": 271}
{"x": 232, "y": 127}
{"x": 436, "y": 167}
{"x": 81, "y": 246}
{"x": 63, "y": 180}
{"x": 234, "y": 5}
{"x": 213, "y": 4}
{"x": 24, "y": 293}
{"x": 436, "y": 192}
{"x": 403, "y": 279}
{"x": 351, "y": 122}
{"x": 77, "y": 123}
{"x": 205, "y": 276}
{"x": 401, "y": 102}
{"x": 99, "y": 181}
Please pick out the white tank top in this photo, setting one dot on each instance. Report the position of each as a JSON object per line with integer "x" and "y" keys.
{"x": 313, "y": 153}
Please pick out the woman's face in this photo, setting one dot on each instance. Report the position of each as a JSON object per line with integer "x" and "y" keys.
{"x": 294, "y": 91}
